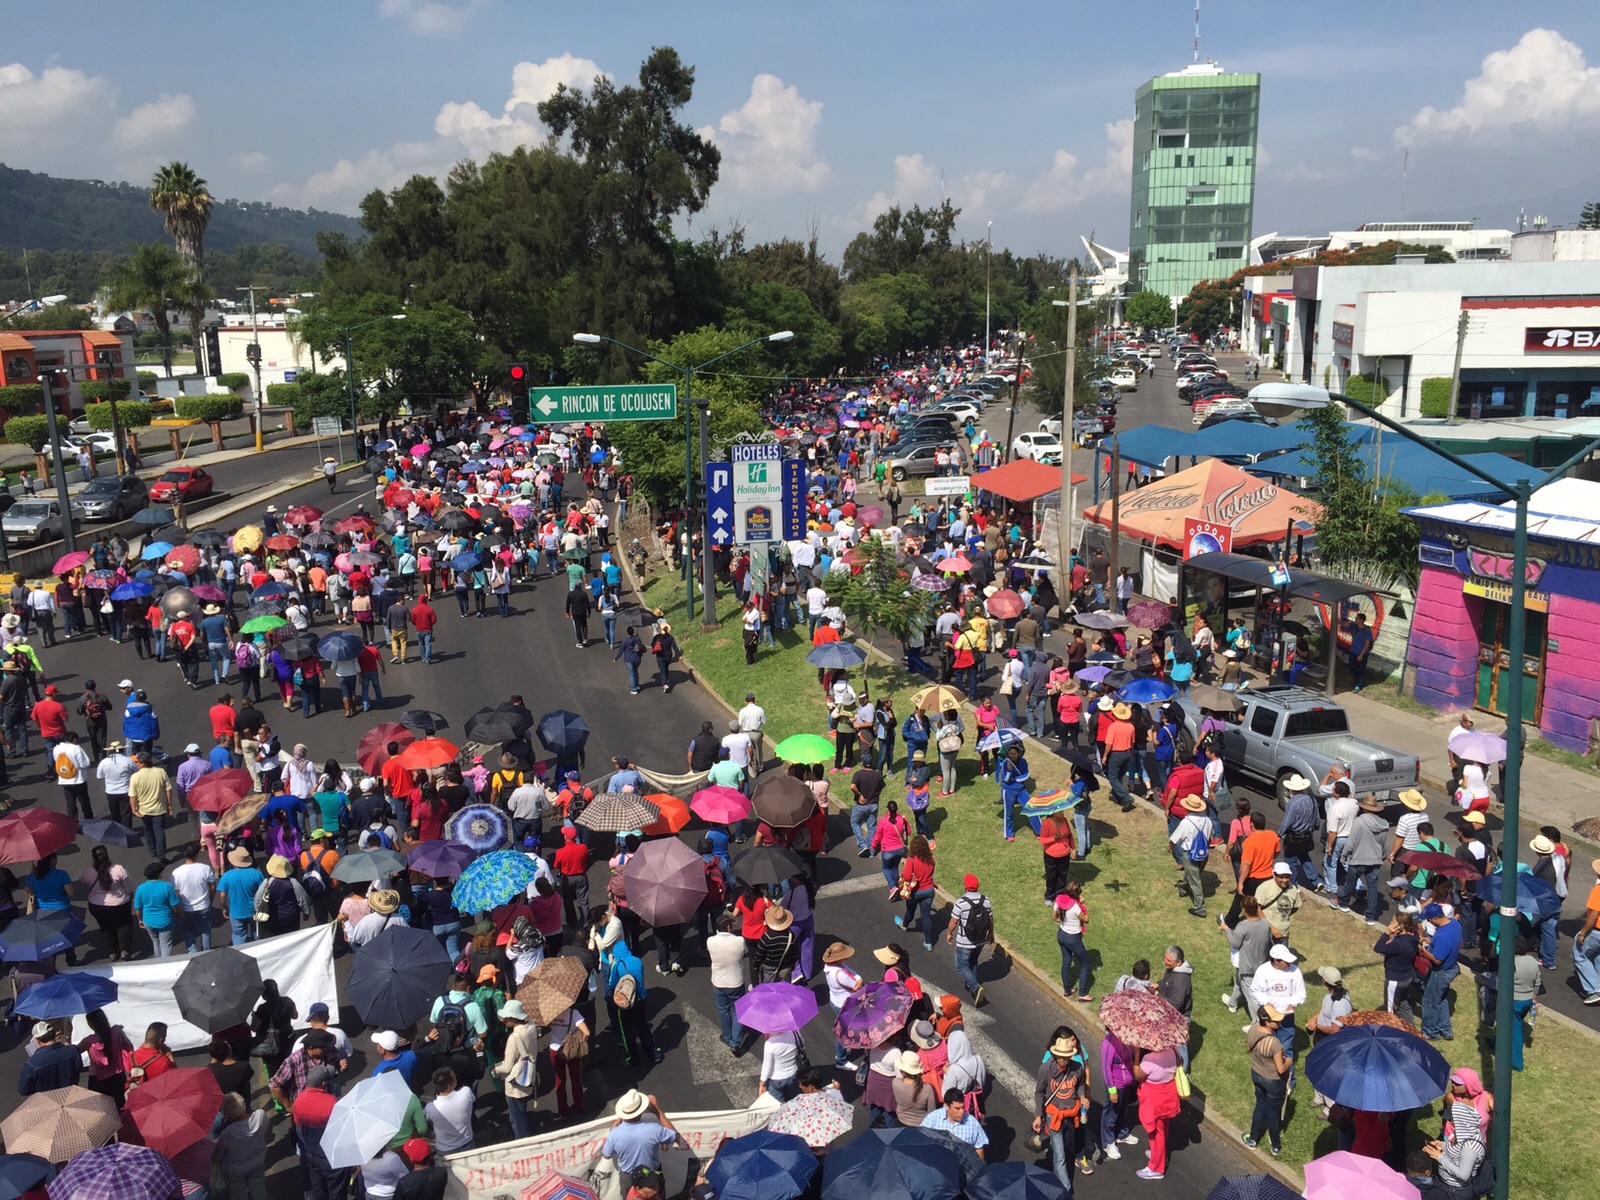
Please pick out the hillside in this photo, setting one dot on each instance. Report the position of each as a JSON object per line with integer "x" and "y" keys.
{"x": 40, "y": 212}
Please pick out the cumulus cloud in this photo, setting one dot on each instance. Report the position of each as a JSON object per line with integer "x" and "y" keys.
{"x": 430, "y": 18}
{"x": 351, "y": 178}
{"x": 34, "y": 109}
{"x": 251, "y": 162}
{"x": 158, "y": 119}
{"x": 481, "y": 132}
{"x": 769, "y": 144}
{"x": 1544, "y": 80}
{"x": 1063, "y": 186}
{"x": 918, "y": 181}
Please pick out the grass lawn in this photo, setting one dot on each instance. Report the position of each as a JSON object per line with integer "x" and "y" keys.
{"x": 1135, "y": 913}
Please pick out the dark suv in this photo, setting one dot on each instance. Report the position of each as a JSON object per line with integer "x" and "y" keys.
{"x": 111, "y": 498}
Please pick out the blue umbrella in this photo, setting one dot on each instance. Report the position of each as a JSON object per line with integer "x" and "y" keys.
{"x": 134, "y": 589}
{"x": 481, "y": 827}
{"x": 340, "y": 647}
{"x": 496, "y": 878}
{"x": 1016, "y": 1181}
{"x": 268, "y": 590}
{"x": 154, "y": 551}
{"x": 66, "y": 996}
{"x": 1147, "y": 691}
{"x": 384, "y": 445}
{"x": 891, "y": 1164}
{"x": 1093, "y": 674}
{"x": 471, "y": 467}
{"x": 36, "y": 937}
{"x": 1001, "y": 738}
{"x": 563, "y": 733}
{"x": 1534, "y": 896}
{"x": 1251, "y": 1187}
{"x": 1378, "y": 1069}
{"x": 762, "y": 1166}
{"x": 836, "y": 656}
{"x": 466, "y": 561}
{"x": 21, "y": 1173}
{"x": 527, "y": 435}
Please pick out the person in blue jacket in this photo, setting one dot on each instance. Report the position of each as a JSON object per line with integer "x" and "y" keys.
{"x": 1012, "y": 775}
{"x": 915, "y": 732}
{"x": 141, "y": 728}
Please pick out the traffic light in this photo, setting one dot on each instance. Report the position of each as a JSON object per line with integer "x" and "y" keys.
{"x": 518, "y": 390}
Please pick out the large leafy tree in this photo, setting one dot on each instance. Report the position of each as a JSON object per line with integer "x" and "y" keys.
{"x": 185, "y": 202}
{"x": 1360, "y": 521}
{"x": 1149, "y": 310}
{"x": 1211, "y": 305}
{"x": 153, "y": 277}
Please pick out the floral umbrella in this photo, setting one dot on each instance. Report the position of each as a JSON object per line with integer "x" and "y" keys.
{"x": 1144, "y": 1019}
{"x": 817, "y": 1117}
{"x": 873, "y": 1013}
{"x": 480, "y": 827}
{"x": 1150, "y": 614}
{"x": 492, "y": 879}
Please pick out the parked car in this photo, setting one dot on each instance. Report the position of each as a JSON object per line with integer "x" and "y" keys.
{"x": 918, "y": 460}
{"x": 959, "y": 409}
{"x": 1040, "y": 446}
{"x": 33, "y": 521}
{"x": 98, "y": 443}
{"x": 1124, "y": 379}
{"x": 111, "y": 498}
{"x": 189, "y": 482}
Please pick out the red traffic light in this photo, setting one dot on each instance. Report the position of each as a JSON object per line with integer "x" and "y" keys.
{"x": 518, "y": 372}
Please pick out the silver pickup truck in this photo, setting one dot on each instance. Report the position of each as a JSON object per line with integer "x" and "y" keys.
{"x": 1285, "y": 730}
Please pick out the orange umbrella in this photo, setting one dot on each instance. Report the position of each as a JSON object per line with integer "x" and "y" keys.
{"x": 1215, "y": 492}
{"x": 674, "y": 815}
{"x": 426, "y": 753}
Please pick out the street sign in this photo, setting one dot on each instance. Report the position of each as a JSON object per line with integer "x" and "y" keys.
{"x": 325, "y": 426}
{"x": 289, "y": 376}
{"x": 749, "y": 452}
{"x": 620, "y": 402}
{"x": 760, "y": 501}
{"x": 946, "y": 485}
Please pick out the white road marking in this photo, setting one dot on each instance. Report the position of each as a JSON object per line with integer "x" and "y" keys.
{"x": 710, "y": 1062}
{"x": 1004, "y": 1070}
{"x": 849, "y": 887}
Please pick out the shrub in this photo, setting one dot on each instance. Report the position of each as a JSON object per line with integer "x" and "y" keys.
{"x": 147, "y": 380}
{"x": 28, "y": 431}
{"x": 233, "y": 380}
{"x": 209, "y": 408}
{"x": 1436, "y": 397}
{"x": 21, "y": 397}
{"x": 1364, "y": 391}
{"x": 320, "y": 396}
{"x": 131, "y": 414}
{"x": 283, "y": 395}
{"x": 94, "y": 391}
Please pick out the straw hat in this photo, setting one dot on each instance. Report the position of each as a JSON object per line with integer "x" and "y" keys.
{"x": 837, "y": 952}
{"x": 779, "y": 918}
{"x": 278, "y": 867}
{"x": 1070, "y": 688}
{"x": 1192, "y": 804}
{"x": 1370, "y": 804}
{"x": 1105, "y": 704}
{"x": 1475, "y": 819}
{"x": 211, "y": 610}
{"x": 1542, "y": 845}
{"x": 632, "y": 1105}
{"x": 886, "y": 956}
{"x": 1062, "y": 1048}
{"x": 908, "y": 1063}
{"x": 1122, "y": 712}
{"x": 385, "y": 900}
{"x": 239, "y": 857}
{"x": 1296, "y": 782}
{"x": 1413, "y": 799}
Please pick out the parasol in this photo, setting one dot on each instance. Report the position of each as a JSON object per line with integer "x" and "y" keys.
{"x": 426, "y": 753}
{"x": 373, "y": 749}
{"x": 218, "y": 791}
{"x": 618, "y": 812}
{"x": 218, "y": 989}
{"x": 1150, "y": 614}
{"x": 720, "y": 805}
{"x": 836, "y": 656}
{"x": 480, "y": 827}
{"x": 1215, "y": 699}
{"x": 29, "y": 835}
{"x": 774, "y": 1007}
{"x": 440, "y": 860}
{"x": 1378, "y": 1069}
{"x": 804, "y": 748}
{"x": 817, "y": 1117}
{"x": 938, "y": 697}
{"x": 368, "y": 866}
{"x": 767, "y": 865}
{"x": 553, "y": 987}
{"x": 782, "y": 801}
{"x": 666, "y": 881}
{"x": 871, "y": 1014}
{"x": 674, "y": 815}
{"x": 1144, "y": 1019}
{"x": 1006, "y": 604}
{"x": 396, "y": 977}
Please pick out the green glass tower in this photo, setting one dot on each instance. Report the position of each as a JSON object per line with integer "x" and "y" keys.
{"x": 1194, "y": 178}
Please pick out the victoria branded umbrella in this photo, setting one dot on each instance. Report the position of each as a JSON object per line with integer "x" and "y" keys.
{"x": 1016, "y": 1181}
{"x": 666, "y": 881}
{"x": 65, "y": 996}
{"x": 718, "y": 805}
{"x": 373, "y": 749}
{"x": 120, "y": 1171}
{"x": 873, "y": 1012}
{"x": 440, "y": 860}
{"x": 891, "y": 1164}
{"x": 29, "y": 835}
{"x": 563, "y": 733}
{"x": 836, "y": 656}
{"x": 553, "y": 987}
{"x": 494, "y": 879}
{"x": 175, "y": 1110}
{"x": 368, "y": 866}
{"x": 767, "y": 865}
{"x": 218, "y": 989}
{"x": 618, "y": 812}
{"x": 1378, "y": 1069}
{"x": 37, "y": 936}
{"x": 774, "y": 1007}
{"x": 61, "y": 1123}
{"x": 782, "y": 801}
{"x": 762, "y": 1166}
{"x": 804, "y": 748}
{"x": 1144, "y": 1019}
{"x": 396, "y": 977}
{"x": 818, "y": 1117}
{"x": 480, "y": 827}
{"x": 367, "y": 1116}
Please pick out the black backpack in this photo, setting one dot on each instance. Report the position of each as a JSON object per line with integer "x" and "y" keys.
{"x": 314, "y": 878}
{"x": 451, "y": 1026}
{"x": 977, "y": 927}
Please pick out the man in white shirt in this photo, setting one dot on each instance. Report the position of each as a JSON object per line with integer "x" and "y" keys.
{"x": 450, "y": 1112}
{"x": 752, "y": 720}
{"x": 737, "y": 744}
{"x": 1342, "y": 811}
{"x": 195, "y": 882}
{"x": 114, "y": 771}
{"x": 1278, "y": 982}
{"x": 816, "y": 601}
{"x": 299, "y": 616}
{"x": 729, "y": 978}
{"x": 528, "y": 805}
{"x": 1194, "y": 822}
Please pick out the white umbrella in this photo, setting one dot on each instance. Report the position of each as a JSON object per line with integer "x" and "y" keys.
{"x": 365, "y": 1119}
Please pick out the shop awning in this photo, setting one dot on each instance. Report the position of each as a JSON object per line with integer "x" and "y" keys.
{"x": 1256, "y": 510}
{"x": 1231, "y": 439}
{"x": 1022, "y": 480}
{"x": 1151, "y": 445}
{"x": 1417, "y": 467}
{"x": 1257, "y": 572}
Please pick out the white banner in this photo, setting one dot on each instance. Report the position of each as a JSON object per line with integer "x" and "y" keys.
{"x": 501, "y": 1172}
{"x": 302, "y": 964}
{"x": 948, "y": 485}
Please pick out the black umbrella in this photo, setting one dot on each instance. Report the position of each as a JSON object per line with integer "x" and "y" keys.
{"x": 219, "y": 989}
{"x": 967, "y": 1160}
{"x": 915, "y": 529}
{"x": 320, "y": 539}
{"x": 396, "y": 977}
{"x": 891, "y": 1164}
{"x": 272, "y": 606}
{"x": 496, "y": 726}
{"x": 211, "y": 539}
{"x": 767, "y": 864}
{"x": 179, "y": 599}
{"x": 782, "y": 801}
{"x": 110, "y": 833}
{"x": 298, "y": 646}
{"x": 1118, "y": 679}
{"x": 1251, "y": 1187}
{"x": 563, "y": 733}
{"x": 423, "y": 721}
{"x": 375, "y": 464}
{"x": 176, "y": 534}
{"x": 457, "y": 521}
{"x": 156, "y": 514}
{"x": 1016, "y": 1181}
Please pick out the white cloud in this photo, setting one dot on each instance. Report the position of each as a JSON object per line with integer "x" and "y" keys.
{"x": 251, "y": 162}
{"x": 350, "y": 179}
{"x": 1063, "y": 186}
{"x": 1544, "y": 80}
{"x": 481, "y": 132}
{"x": 918, "y": 181}
{"x": 1263, "y": 157}
{"x": 1366, "y": 154}
{"x": 36, "y": 109}
{"x": 534, "y": 83}
{"x": 430, "y": 18}
{"x": 770, "y": 143}
{"x": 156, "y": 120}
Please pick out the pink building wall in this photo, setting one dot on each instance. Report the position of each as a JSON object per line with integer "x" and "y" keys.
{"x": 1444, "y": 641}
{"x": 1572, "y": 672}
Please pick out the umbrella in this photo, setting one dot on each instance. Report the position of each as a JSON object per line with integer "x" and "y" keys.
{"x": 767, "y": 865}
{"x": 241, "y": 814}
{"x": 1214, "y": 698}
{"x": 1249, "y": 1187}
{"x": 955, "y": 564}
{"x": 1016, "y": 1181}
{"x": 1378, "y": 1069}
{"x": 1101, "y": 620}
{"x": 29, "y": 835}
{"x": 21, "y": 1173}
{"x": 426, "y": 753}
{"x": 782, "y": 801}
{"x": 65, "y": 996}
{"x": 368, "y": 866}
{"x": 480, "y": 827}
{"x": 762, "y": 1166}
{"x": 928, "y": 583}
{"x": 575, "y": 555}
{"x": 618, "y": 812}
{"x": 303, "y": 514}
{"x": 968, "y": 1164}
{"x": 155, "y": 514}
{"x": 367, "y": 1116}
{"x": 1147, "y": 691}
{"x": 1343, "y": 1174}
{"x": 456, "y": 521}
{"x": 674, "y": 815}
{"x": 270, "y": 606}
{"x": 1006, "y": 604}
{"x": 666, "y": 881}
{"x": 282, "y": 541}
{"x": 120, "y": 1171}
{"x": 1145, "y": 1019}
{"x": 1588, "y": 827}
{"x": 466, "y": 561}
{"x": 335, "y": 647}
{"x": 355, "y": 523}
{"x": 496, "y": 878}
{"x": 110, "y": 833}
{"x": 269, "y": 590}
{"x": 1378, "y": 1016}
{"x": 396, "y": 977}
{"x": 563, "y": 733}
{"x": 496, "y": 726}
{"x": 247, "y": 537}
{"x": 937, "y": 698}
{"x": 218, "y": 989}
{"x": 134, "y": 589}
{"x": 1439, "y": 864}
{"x": 37, "y": 936}
{"x": 775, "y": 1007}
{"x": 70, "y": 562}
{"x": 553, "y": 1185}
{"x": 553, "y": 987}
{"x": 723, "y": 805}
{"x": 101, "y": 579}
{"x": 218, "y": 791}
{"x": 440, "y": 860}
{"x": 212, "y": 539}
{"x": 1095, "y": 674}
{"x": 804, "y": 748}
{"x": 818, "y": 1117}
{"x": 1000, "y": 739}
{"x": 205, "y": 591}
{"x": 891, "y": 1164}
{"x": 1150, "y": 614}
{"x": 1534, "y": 896}
{"x": 424, "y": 721}
{"x": 872, "y": 1013}
{"x": 174, "y": 1110}
{"x": 60, "y": 1124}
{"x": 914, "y": 529}
{"x": 298, "y": 646}
{"x": 836, "y": 656}
{"x": 1479, "y": 747}
{"x": 373, "y": 749}
{"x": 1051, "y": 800}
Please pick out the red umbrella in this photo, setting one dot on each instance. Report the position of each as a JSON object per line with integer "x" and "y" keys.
{"x": 356, "y": 524}
{"x": 185, "y": 558}
{"x": 1440, "y": 864}
{"x": 303, "y": 514}
{"x": 1006, "y": 604}
{"x": 174, "y": 1110}
{"x": 674, "y": 815}
{"x": 282, "y": 541}
{"x": 29, "y": 835}
{"x": 373, "y": 750}
{"x": 218, "y": 791}
{"x": 426, "y": 753}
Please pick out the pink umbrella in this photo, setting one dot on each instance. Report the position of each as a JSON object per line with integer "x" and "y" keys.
{"x": 1006, "y": 604}
{"x": 872, "y": 514}
{"x": 420, "y": 449}
{"x": 720, "y": 805}
{"x": 185, "y": 558}
{"x": 344, "y": 564}
{"x": 955, "y": 563}
{"x": 1341, "y": 1174}
{"x": 70, "y": 562}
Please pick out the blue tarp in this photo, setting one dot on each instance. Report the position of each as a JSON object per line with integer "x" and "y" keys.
{"x": 1423, "y": 471}
{"x": 1152, "y": 445}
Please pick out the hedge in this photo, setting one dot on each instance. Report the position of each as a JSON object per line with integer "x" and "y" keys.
{"x": 28, "y": 431}
{"x": 1436, "y": 397}
{"x": 283, "y": 395}
{"x": 147, "y": 380}
{"x": 131, "y": 414}
{"x": 1365, "y": 391}
{"x": 94, "y": 391}
{"x": 208, "y": 408}
{"x": 21, "y": 397}
{"x": 233, "y": 379}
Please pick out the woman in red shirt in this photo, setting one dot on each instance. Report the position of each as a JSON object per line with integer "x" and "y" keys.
{"x": 752, "y": 910}
{"x": 916, "y": 885}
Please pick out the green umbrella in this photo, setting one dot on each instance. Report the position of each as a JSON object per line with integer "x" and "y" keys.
{"x": 575, "y": 555}
{"x": 262, "y": 624}
{"x": 804, "y": 748}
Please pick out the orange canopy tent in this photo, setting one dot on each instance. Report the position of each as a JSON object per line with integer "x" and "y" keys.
{"x": 1021, "y": 480}
{"x": 1257, "y": 510}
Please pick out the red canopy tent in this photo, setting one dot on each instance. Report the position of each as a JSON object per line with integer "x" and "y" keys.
{"x": 1214, "y": 491}
{"x": 1022, "y": 480}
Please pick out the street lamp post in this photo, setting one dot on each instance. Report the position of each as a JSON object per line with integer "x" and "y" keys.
{"x": 708, "y": 587}
{"x": 350, "y": 369}
{"x": 1064, "y": 525}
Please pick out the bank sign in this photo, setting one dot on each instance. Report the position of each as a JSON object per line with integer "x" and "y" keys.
{"x": 1561, "y": 339}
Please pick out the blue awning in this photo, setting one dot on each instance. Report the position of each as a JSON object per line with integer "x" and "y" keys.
{"x": 1421, "y": 470}
{"x": 1151, "y": 445}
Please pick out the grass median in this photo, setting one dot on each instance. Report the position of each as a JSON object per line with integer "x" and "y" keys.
{"x": 1135, "y": 912}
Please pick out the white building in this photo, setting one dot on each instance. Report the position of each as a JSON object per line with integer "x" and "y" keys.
{"x": 282, "y": 355}
{"x": 1463, "y": 239}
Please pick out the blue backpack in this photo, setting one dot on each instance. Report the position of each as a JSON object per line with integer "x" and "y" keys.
{"x": 1199, "y": 847}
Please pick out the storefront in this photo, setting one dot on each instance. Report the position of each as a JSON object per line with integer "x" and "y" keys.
{"x": 1459, "y": 652}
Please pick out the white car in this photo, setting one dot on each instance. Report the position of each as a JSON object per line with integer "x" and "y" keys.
{"x": 98, "y": 443}
{"x": 959, "y": 409}
{"x": 1125, "y": 379}
{"x": 1040, "y": 446}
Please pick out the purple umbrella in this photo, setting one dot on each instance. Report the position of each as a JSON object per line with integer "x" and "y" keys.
{"x": 872, "y": 1014}
{"x": 1093, "y": 674}
{"x": 1479, "y": 747}
{"x": 206, "y": 591}
{"x": 120, "y": 1171}
{"x": 441, "y": 860}
{"x": 776, "y": 1007}
{"x": 929, "y": 583}
{"x": 666, "y": 881}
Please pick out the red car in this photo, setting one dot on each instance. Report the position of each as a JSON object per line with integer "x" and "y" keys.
{"x": 189, "y": 482}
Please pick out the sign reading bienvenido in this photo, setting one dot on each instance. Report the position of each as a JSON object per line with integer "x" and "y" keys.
{"x": 614, "y": 402}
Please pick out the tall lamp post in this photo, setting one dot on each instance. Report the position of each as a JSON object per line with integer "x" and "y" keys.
{"x": 1064, "y": 525}
{"x": 1510, "y": 837}
{"x": 708, "y": 587}
{"x": 350, "y": 368}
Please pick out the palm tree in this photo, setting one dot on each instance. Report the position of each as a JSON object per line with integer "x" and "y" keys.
{"x": 183, "y": 199}
{"x": 154, "y": 278}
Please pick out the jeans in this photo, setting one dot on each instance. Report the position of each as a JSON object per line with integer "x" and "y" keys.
{"x": 155, "y": 835}
{"x": 244, "y": 930}
{"x": 889, "y": 862}
{"x": 449, "y": 936}
{"x": 1159, "y": 769}
{"x": 425, "y": 637}
{"x": 1080, "y": 826}
{"x": 1268, "y": 1115}
{"x": 1586, "y": 962}
{"x": 1331, "y": 869}
{"x": 502, "y": 603}
{"x": 1115, "y": 1120}
{"x": 1353, "y": 873}
{"x": 1193, "y": 885}
{"x": 1118, "y": 764}
{"x": 1436, "y": 1002}
{"x": 217, "y": 654}
{"x": 924, "y": 901}
{"x": 1547, "y": 942}
{"x": 732, "y": 1030}
{"x": 196, "y": 929}
{"x": 783, "y": 1090}
{"x": 517, "y": 1116}
{"x": 1038, "y": 715}
{"x": 610, "y": 624}
{"x": 1061, "y": 1146}
{"x": 864, "y": 816}
{"x": 967, "y": 965}
{"x": 1304, "y": 869}
{"x": 160, "y": 941}
{"x": 1073, "y": 949}
{"x": 369, "y": 679}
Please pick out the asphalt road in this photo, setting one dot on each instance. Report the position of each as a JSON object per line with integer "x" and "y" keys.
{"x": 483, "y": 662}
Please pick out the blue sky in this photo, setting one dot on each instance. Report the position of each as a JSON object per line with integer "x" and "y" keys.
{"x": 826, "y": 111}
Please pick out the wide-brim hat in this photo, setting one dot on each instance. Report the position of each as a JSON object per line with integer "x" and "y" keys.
{"x": 278, "y": 867}
{"x": 886, "y": 956}
{"x": 1062, "y": 1048}
{"x": 512, "y": 1010}
{"x": 1370, "y": 804}
{"x": 1105, "y": 704}
{"x": 1472, "y": 818}
{"x": 385, "y": 900}
{"x": 922, "y": 1034}
{"x": 211, "y": 610}
{"x": 908, "y": 1063}
{"x": 239, "y": 857}
{"x": 779, "y": 918}
{"x": 1122, "y": 712}
{"x": 1192, "y": 803}
{"x": 1070, "y": 688}
{"x": 1296, "y": 782}
{"x": 633, "y": 1103}
{"x": 837, "y": 952}
{"x": 1542, "y": 845}
{"x": 11, "y": 621}
{"x": 1413, "y": 799}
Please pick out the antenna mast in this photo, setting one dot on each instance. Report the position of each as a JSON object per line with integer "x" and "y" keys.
{"x": 1197, "y": 30}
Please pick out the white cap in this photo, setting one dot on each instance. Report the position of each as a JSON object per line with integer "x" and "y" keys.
{"x": 1281, "y": 868}
{"x": 386, "y": 1039}
{"x": 126, "y": 683}
{"x": 1282, "y": 954}
{"x": 192, "y": 748}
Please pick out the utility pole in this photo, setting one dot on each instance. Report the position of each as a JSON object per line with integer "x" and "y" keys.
{"x": 254, "y": 355}
{"x": 1064, "y": 526}
{"x": 47, "y": 382}
{"x": 708, "y": 566}
{"x": 988, "y": 251}
{"x": 1455, "y": 371}
{"x": 1116, "y": 514}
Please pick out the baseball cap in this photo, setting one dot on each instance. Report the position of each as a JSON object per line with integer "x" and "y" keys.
{"x": 126, "y": 683}
{"x": 1281, "y": 868}
{"x": 573, "y": 775}
{"x": 417, "y": 1150}
{"x": 317, "y": 1012}
{"x": 386, "y": 1039}
{"x": 970, "y": 882}
{"x": 192, "y": 748}
{"x": 49, "y": 689}
{"x": 1282, "y": 954}
{"x": 1399, "y": 881}
{"x": 1330, "y": 975}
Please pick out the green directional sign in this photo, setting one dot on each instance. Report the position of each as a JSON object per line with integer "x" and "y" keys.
{"x": 618, "y": 402}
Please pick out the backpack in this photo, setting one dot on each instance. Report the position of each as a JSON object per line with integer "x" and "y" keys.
{"x": 977, "y": 927}
{"x": 94, "y": 706}
{"x": 245, "y": 655}
{"x": 314, "y": 879}
{"x": 626, "y": 992}
{"x": 617, "y": 889}
{"x": 66, "y": 770}
{"x": 451, "y": 1026}
{"x": 716, "y": 886}
{"x": 1199, "y": 846}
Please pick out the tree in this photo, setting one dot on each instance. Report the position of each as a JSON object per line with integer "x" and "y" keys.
{"x": 185, "y": 203}
{"x": 154, "y": 278}
{"x": 1590, "y": 217}
{"x": 1148, "y": 310}
{"x": 1211, "y": 305}
{"x": 55, "y": 316}
{"x": 1361, "y": 521}
{"x": 770, "y": 307}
